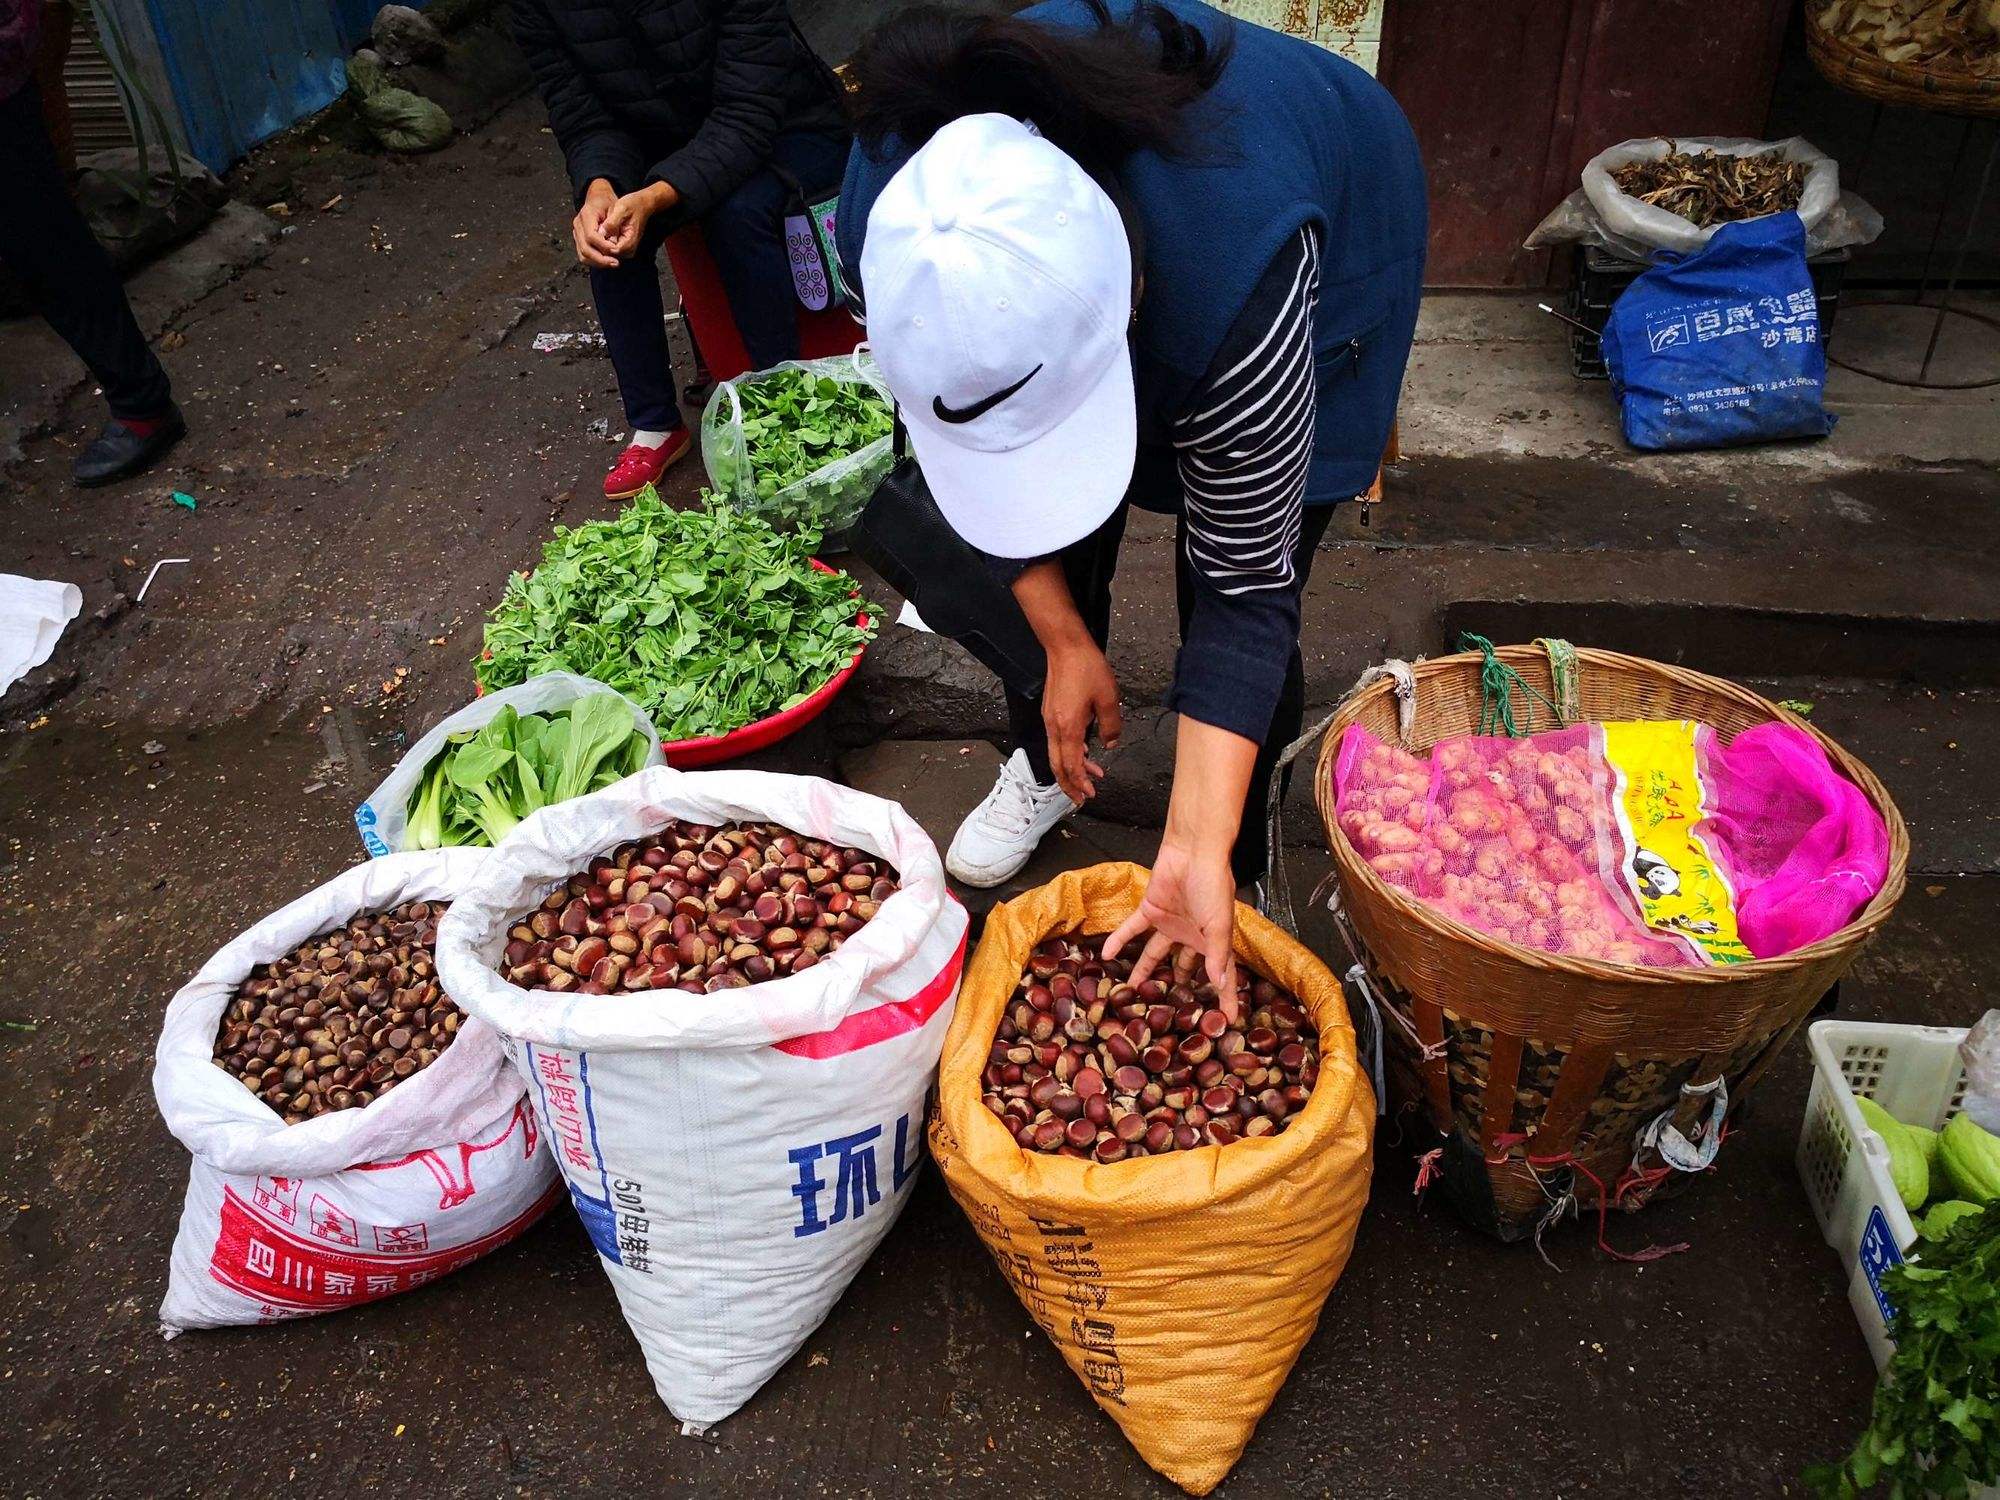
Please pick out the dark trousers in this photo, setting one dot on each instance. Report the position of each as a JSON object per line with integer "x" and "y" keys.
{"x": 746, "y": 235}
{"x": 68, "y": 278}
{"x": 1089, "y": 565}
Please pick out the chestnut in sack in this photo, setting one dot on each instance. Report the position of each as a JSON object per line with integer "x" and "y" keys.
{"x": 288, "y": 1215}
{"x": 1180, "y": 1287}
{"x": 736, "y": 1154}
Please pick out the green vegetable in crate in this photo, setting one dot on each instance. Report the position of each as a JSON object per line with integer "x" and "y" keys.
{"x": 1927, "y": 1142}
{"x": 709, "y": 619}
{"x": 1970, "y": 1157}
{"x": 1907, "y": 1168}
{"x": 486, "y": 780}
{"x": 1935, "y": 1428}
{"x": 1937, "y": 1221}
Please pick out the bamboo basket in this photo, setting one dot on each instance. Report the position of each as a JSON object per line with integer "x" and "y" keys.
{"x": 1847, "y": 66}
{"x": 1540, "y": 1070}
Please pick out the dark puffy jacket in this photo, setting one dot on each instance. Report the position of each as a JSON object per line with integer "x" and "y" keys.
{"x": 686, "y": 92}
{"x": 20, "y": 39}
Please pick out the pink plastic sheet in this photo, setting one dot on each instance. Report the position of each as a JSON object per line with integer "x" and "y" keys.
{"x": 1803, "y": 847}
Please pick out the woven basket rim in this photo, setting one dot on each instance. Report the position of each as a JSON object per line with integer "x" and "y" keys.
{"x": 1353, "y": 867}
{"x": 1946, "y": 89}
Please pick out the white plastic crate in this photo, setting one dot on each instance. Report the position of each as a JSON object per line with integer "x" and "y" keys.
{"x": 1915, "y": 1074}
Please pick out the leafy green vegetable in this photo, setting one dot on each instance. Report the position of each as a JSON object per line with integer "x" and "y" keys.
{"x": 1935, "y": 1429}
{"x": 485, "y": 781}
{"x": 707, "y": 618}
{"x": 424, "y": 827}
{"x": 800, "y": 429}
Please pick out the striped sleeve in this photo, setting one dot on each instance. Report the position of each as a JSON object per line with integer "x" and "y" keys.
{"x": 1246, "y": 442}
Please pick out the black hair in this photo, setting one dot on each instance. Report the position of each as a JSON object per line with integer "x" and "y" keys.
{"x": 1099, "y": 94}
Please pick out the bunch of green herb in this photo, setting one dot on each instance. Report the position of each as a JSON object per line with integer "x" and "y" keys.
{"x": 798, "y": 429}
{"x": 1935, "y": 1429}
{"x": 486, "y": 780}
{"x": 707, "y": 618}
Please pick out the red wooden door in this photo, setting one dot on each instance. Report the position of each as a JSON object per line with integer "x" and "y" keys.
{"x": 1509, "y": 99}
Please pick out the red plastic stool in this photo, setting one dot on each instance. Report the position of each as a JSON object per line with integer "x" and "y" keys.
{"x": 830, "y": 331}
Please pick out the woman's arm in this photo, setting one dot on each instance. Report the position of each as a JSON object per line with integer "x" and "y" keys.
{"x": 594, "y": 146}
{"x": 756, "y": 52}
{"x": 1243, "y": 453}
{"x": 1191, "y": 897}
{"x": 1079, "y": 689}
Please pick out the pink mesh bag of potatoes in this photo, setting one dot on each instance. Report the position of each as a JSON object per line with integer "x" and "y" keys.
{"x": 1512, "y": 837}
{"x": 1670, "y": 850}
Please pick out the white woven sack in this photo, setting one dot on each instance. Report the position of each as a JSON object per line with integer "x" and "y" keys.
{"x": 283, "y": 1221}
{"x": 735, "y": 1157}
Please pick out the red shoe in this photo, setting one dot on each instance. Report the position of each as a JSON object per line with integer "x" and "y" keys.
{"x": 639, "y": 466}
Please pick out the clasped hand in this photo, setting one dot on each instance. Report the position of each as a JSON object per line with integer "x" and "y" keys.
{"x": 607, "y": 227}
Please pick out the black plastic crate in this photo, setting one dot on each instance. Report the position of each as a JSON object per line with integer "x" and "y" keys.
{"x": 1597, "y": 278}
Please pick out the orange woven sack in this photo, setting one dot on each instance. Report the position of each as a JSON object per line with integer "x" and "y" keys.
{"x": 1180, "y": 1288}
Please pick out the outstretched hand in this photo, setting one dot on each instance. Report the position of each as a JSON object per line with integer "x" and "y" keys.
{"x": 1190, "y": 901}
{"x": 1191, "y": 898}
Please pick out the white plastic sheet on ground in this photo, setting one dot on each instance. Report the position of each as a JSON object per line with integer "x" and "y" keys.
{"x": 384, "y": 816}
{"x": 283, "y": 1221}
{"x": 34, "y": 612}
{"x": 735, "y": 1157}
{"x": 1603, "y": 214}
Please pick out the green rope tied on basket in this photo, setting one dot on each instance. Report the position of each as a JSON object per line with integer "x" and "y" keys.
{"x": 1497, "y": 685}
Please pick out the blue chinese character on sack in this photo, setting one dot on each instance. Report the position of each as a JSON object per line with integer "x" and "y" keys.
{"x": 857, "y": 1173}
{"x": 807, "y": 1190}
{"x": 905, "y": 1173}
{"x": 854, "y": 1186}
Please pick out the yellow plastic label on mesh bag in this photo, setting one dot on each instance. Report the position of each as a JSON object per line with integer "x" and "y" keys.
{"x": 1660, "y": 799}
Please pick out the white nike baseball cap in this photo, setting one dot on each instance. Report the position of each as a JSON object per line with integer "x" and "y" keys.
{"x": 998, "y": 281}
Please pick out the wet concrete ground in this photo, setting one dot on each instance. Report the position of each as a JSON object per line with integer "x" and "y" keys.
{"x": 376, "y": 445}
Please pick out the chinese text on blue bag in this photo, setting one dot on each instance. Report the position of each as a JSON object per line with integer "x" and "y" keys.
{"x": 1721, "y": 346}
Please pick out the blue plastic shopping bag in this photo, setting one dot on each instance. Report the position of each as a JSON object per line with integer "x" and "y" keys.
{"x": 1721, "y": 346}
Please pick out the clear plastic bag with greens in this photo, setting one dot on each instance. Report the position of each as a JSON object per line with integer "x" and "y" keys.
{"x": 803, "y": 444}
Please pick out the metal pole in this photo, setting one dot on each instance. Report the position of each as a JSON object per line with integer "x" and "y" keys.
{"x": 1944, "y": 207}
{"x": 1964, "y": 240}
{"x": 1867, "y": 153}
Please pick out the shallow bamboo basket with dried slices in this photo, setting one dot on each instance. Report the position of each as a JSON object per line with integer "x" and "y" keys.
{"x": 1931, "y": 54}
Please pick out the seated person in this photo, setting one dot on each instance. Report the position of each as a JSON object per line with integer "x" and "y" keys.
{"x": 672, "y": 112}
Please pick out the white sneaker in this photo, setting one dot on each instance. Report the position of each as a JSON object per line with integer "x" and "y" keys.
{"x": 997, "y": 836}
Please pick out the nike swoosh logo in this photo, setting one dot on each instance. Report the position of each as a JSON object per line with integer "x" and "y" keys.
{"x": 982, "y": 406}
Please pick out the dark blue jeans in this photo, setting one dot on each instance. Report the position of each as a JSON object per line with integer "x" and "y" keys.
{"x": 746, "y": 235}
{"x": 69, "y": 279}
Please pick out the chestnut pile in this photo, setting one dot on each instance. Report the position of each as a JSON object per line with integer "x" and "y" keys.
{"x": 1087, "y": 1064}
{"x": 699, "y": 909}
{"x": 343, "y": 1018}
